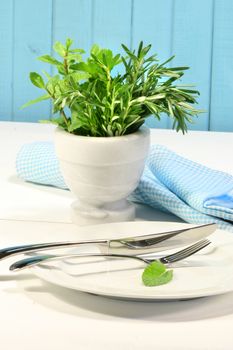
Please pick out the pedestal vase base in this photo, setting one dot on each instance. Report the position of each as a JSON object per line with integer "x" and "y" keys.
{"x": 83, "y": 214}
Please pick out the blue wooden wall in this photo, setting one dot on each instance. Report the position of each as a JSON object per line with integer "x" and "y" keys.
{"x": 198, "y": 32}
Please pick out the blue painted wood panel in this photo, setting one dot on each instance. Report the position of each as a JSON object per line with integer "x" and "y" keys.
{"x": 6, "y": 40}
{"x": 73, "y": 19}
{"x": 153, "y": 23}
{"x": 199, "y": 33}
{"x": 221, "y": 116}
{"x": 192, "y": 45}
{"x": 111, "y": 23}
{"x": 32, "y": 38}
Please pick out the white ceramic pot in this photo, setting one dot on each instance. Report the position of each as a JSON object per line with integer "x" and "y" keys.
{"x": 101, "y": 172}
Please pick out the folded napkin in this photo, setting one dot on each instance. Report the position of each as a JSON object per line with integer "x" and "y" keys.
{"x": 37, "y": 162}
{"x": 170, "y": 183}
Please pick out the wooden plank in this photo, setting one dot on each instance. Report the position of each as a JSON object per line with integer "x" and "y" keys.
{"x": 32, "y": 38}
{"x": 221, "y": 118}
{"x": 152, "y": 23}
{"x": 192, "y": 38}
{"x": 6, "y": 39}
{"x": 111, "y": 26}
{"x": 184, "y": 28}
{"x": 72, "y": 18}
{"x": 111, "y": 23}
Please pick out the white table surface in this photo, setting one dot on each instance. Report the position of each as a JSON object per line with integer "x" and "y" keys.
{"x": 39, "y": 315}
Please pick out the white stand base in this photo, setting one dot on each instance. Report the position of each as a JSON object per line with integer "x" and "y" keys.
{"x": 83, "y": 214}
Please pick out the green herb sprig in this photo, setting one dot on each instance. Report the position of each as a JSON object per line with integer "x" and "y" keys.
{"x": 93, "y": 99}
{"x": 155, "y": 274}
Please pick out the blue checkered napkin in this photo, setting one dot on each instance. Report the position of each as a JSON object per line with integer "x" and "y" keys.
{"x": 171, "y": 183}
{"x": 193, "y": 192}
{"x": 37, "y": 162}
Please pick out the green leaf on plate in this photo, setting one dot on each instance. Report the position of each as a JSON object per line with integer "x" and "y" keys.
{"x": 155, "y": 274}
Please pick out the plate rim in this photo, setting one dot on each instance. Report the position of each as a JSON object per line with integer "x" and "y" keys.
{"x": 206, "y": 292}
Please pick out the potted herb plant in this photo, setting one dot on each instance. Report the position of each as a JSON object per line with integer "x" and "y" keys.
{"x": 100, "y": 105}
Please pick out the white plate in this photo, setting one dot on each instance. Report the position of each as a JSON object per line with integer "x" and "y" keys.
{"x": 209, "y": 272}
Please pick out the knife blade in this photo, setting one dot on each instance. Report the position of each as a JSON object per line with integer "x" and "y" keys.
{"x": 141, "y": 244}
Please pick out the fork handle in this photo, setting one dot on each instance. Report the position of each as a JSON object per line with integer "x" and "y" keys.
{"x": 36, "y": 260}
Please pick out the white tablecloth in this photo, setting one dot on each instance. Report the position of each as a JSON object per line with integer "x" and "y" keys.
{"x": 39, "y": 315}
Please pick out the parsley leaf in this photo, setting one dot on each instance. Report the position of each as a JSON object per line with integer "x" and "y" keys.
{"x": 156, "y": 274}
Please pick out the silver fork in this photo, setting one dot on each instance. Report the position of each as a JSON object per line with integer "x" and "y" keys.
{"x": 169, "y": 259}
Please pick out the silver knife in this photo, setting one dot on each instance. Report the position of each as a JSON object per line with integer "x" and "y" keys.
{"x": 143, "y": 244}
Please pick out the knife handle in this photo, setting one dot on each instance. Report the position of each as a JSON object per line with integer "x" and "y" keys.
{"x": 27, "y": 248}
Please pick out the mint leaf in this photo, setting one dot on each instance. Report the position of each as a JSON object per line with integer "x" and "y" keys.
{"x": 49, "y": 59}
{"x": 155, "y": 274}
{"x": 59, "y": 48}
{"x": 69, "y": 42}
{"x": 156, "y": 268}
{"x": 38, "y": 99}
{"x": 37, "y": 80}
